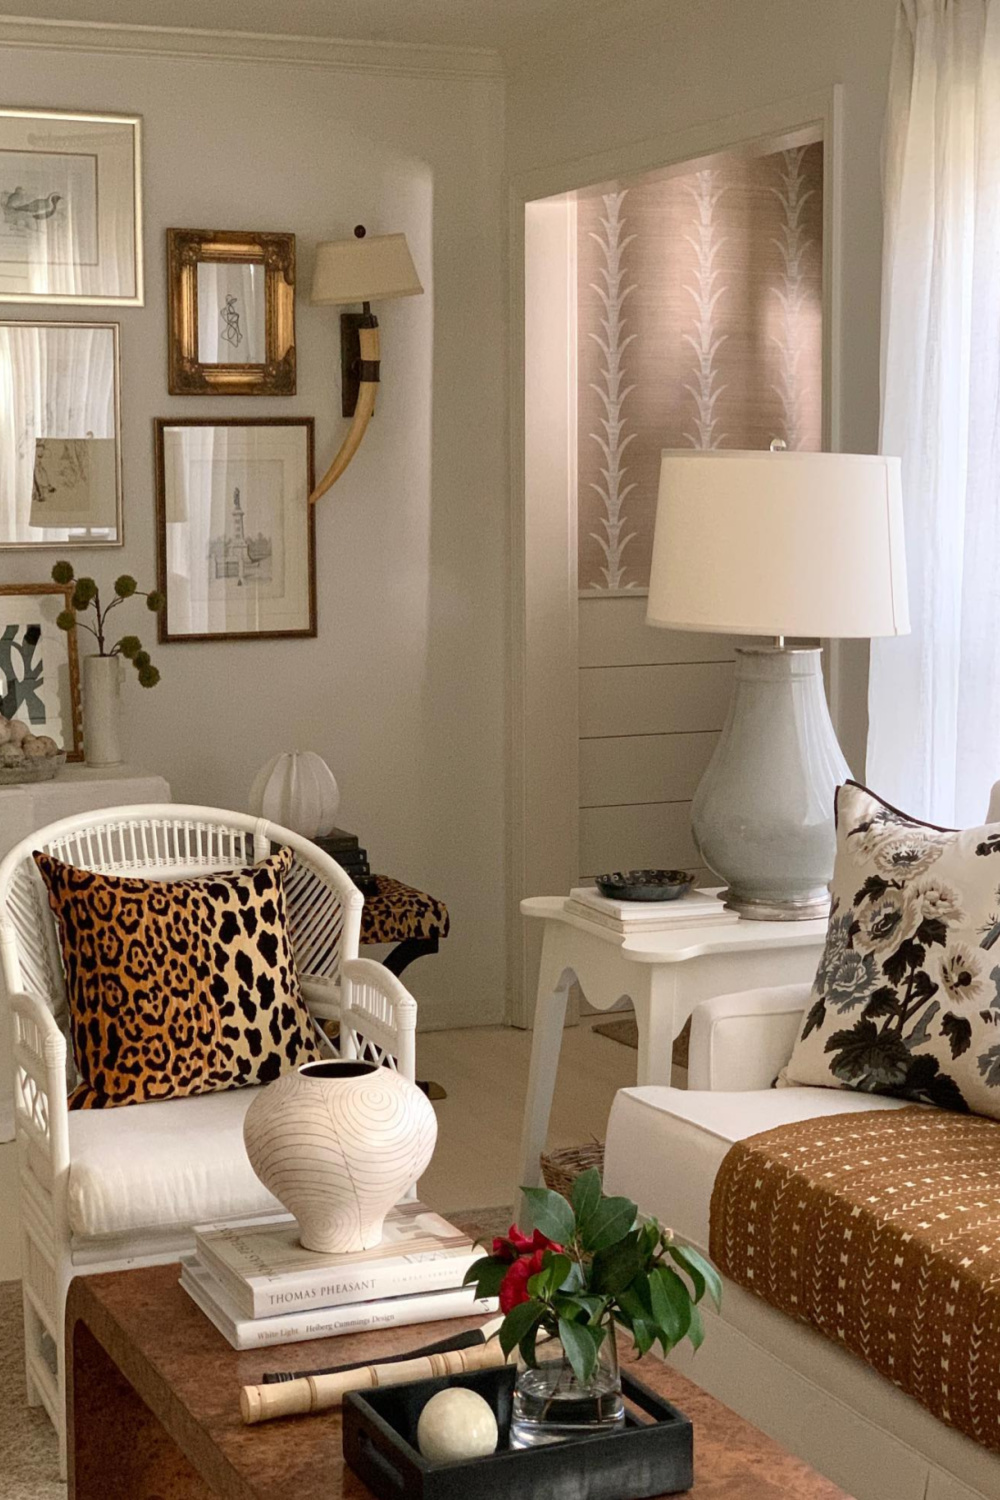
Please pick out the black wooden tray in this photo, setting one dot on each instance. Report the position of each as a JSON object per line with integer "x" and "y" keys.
{"x": 646, "y": 1458}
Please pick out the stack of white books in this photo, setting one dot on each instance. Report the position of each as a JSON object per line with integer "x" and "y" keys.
{"x": 258, "y": 1285}
{"x": 695, "y": 908}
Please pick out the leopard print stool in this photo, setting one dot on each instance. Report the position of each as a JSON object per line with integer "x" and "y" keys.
{"x": 397, "y": 913}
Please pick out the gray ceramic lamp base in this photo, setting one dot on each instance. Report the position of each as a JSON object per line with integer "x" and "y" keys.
{"x": 762, "y": 817}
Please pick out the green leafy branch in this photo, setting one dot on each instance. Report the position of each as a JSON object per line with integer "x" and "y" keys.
{"x": 601, "y": 1267}
{"x": 87, "y": 596}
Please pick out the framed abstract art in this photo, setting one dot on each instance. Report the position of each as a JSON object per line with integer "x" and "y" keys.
{"x": 39, "y": 668}
{"x": 70, "y": 207}
{"x": 235, "y": 530}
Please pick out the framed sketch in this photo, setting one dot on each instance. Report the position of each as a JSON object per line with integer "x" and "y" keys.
{"x": 235, "y": 530}
{"x": 70, "y": 207}
{"x": 39, "y": 669}
{"x": 60, "y": 421}
{"x": 231, "y": 313}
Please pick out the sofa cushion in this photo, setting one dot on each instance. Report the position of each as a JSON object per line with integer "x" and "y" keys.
{"x": 883, "y": 1234}
{"x": 665, "y": 1146}
{"x": 162, "y": 1166}
{"x": 906, "y": 999}
{"x": 177, "y": 987}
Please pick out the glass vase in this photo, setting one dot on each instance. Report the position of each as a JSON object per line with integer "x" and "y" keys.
{"x": 551, "y": 1404}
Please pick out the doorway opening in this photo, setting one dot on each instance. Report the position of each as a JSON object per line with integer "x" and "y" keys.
{"x": 687, "y": 305}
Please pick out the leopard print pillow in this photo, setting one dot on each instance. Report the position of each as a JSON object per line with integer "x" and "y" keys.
{"x": 180, "y": 987}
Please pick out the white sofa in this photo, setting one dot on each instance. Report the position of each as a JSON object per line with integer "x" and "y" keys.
{"x": 664, "y": 1147}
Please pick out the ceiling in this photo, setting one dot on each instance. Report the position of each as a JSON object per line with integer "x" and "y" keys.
{"x": 498, "y": 24}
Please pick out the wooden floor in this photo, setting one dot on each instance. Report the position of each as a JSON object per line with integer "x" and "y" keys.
{"x": 485, "y": 1073}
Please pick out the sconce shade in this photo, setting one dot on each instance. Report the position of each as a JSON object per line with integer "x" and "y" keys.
{"x": 364, "y": 270}
{"x": 758, "y": 543}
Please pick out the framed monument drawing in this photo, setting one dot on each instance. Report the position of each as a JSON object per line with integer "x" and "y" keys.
{"x": 231, "y": 311}
{"x": 235, "y": 530}
{"x": 60, "y": 424}
{"x": 39, "y": 667}
{"x": 70, "y": 207}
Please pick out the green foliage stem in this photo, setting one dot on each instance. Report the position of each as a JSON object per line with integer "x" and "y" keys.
{"x": 86, "y": 596}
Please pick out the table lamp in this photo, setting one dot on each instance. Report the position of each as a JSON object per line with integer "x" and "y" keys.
{"x": 366, "y": 270}
{"x": 776, "y": 544}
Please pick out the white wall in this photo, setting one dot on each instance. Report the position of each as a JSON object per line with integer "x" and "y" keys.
{"x": 665, "y": 67}
{"x": 403, "y": 690}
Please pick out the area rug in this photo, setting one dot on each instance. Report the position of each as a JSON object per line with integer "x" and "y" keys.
{"x": 29, "y": 1456}
{"x": 626, "y": 1033}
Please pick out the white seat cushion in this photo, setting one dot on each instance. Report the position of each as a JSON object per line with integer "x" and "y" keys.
{"x": 161, "y": 1166}
{"x": 665, "y": 1146}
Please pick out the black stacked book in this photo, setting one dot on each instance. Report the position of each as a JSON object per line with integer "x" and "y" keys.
{"x": 345, "y": 849}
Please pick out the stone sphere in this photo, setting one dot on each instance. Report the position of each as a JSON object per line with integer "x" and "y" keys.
{"x": 456, "y": 1424}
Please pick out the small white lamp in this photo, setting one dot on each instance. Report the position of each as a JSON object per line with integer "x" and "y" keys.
{"x": 362, "y": 270}
{"x": 776, "y": 544}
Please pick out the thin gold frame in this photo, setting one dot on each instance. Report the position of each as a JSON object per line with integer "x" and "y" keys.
{"x": 187, "y": 376}
{"x": 29, "y": 590}
{"x": 69, "y": 299}
{"x": 75, "y": 542}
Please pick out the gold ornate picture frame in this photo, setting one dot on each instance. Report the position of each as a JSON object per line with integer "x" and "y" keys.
{"x": 231, "y": 312}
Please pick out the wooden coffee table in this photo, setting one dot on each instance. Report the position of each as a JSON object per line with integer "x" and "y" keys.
{"x": 153, "y": 1409}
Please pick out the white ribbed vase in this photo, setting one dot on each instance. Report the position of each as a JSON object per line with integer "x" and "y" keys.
{"x": 298, "y": 790}
{"x": 338, "y": 1143}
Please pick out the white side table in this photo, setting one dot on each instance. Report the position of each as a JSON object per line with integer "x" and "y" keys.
{"x": 665, "y": 974}
{"x": 25, "y": 809}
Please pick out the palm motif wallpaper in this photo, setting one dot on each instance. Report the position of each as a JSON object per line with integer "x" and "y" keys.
{"x": 699, "y": 325}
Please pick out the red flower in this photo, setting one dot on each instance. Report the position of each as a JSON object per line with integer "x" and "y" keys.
{"x": 514, "y": 1287}
{"x": 524, "y": 1257}
{"x": 515, "y": 1243}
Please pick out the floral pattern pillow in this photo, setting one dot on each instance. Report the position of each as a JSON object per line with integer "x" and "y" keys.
{"x": 906, "y": 1000}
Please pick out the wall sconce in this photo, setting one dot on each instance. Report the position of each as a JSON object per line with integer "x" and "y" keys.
{"x": 360, "y": 270}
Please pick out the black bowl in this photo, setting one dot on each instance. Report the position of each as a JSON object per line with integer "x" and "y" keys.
{"x": 645, "y": 885}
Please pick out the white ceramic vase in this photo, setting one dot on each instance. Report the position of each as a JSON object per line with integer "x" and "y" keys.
{"x": 102, "y": 686}
{"x": 296, "y": 789}
{"x": 338, "y": 1143}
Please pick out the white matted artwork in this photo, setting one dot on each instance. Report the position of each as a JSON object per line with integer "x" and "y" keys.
{"x": 231, "y": 313}
{"x": 70, "y": 207}
{"x": 235, "y": 529}
{"x": 60, "y": 465}
{"x": 39, "y": 670}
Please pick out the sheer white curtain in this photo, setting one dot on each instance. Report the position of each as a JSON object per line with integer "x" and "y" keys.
{"x": 934, "y": 696}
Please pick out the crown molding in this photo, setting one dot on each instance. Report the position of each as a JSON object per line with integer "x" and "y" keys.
{"x": 406, "y": 59}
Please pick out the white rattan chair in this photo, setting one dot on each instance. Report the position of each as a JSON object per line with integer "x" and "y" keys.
{"x": 124, "y": 1158}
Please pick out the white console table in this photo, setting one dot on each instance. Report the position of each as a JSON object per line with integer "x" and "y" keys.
{"x": 665, "y": 974}
{"x": 25, "y": 809}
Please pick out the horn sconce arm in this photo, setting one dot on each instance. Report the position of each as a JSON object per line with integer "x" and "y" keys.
{"x": 363, "y": 412}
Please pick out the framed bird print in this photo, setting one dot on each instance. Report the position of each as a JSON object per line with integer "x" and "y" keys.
{"x": 70, "y": 208}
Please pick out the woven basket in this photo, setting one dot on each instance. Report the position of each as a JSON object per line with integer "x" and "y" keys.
{"x": 560, "y": 1169}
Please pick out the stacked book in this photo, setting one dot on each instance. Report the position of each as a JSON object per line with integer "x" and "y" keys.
{"x": 258, "y": 1285}
{"x": 694, "y": 909}
{"x": 345, "y": 849}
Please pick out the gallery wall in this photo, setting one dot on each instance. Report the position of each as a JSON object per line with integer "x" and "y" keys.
{"x": 402, "y": 691}
{"x": 650, "y": 70}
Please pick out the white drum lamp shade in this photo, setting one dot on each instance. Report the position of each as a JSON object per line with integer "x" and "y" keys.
{"x": 801, "y": 544}
{"x": 372, "y": 269}
{"x": 776, "y": 544}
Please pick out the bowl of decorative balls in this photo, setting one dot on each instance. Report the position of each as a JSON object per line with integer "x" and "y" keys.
{"x": 25, "y": 756}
